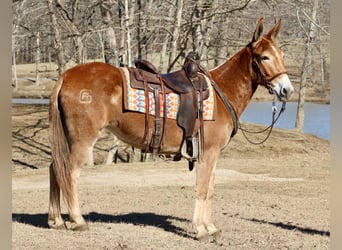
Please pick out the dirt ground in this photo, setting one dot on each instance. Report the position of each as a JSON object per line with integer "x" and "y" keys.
{"x": 272, "y": 196}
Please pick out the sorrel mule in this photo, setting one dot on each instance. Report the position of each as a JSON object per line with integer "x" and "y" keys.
{"x": 88, "y": 98}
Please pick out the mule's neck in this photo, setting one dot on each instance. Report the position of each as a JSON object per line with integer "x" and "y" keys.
{"x": 235, "y": 78}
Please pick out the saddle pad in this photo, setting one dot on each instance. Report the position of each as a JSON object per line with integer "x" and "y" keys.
{"x": 134, "y": 100}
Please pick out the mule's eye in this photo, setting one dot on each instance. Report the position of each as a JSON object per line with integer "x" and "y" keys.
{"x": 265, "y": 58}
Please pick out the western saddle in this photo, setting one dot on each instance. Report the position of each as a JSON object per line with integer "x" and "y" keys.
{"x": 191, "y": 85}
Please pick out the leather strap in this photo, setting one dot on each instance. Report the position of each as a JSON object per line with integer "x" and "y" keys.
{"x": 228, "y": 106}
{"x": 147, "y": 111}
{"x": 156, "y": 137}
{"x": 159, "y": 126}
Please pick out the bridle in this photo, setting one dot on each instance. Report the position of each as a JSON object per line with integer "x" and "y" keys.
{"x": 264, "y": 81}
{"x": 269, "y": 86}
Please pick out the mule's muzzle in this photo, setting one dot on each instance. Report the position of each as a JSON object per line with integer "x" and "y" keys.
{"x": 283, "y": 88}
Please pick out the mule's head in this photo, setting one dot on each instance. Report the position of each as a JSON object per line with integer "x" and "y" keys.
{"x": 268, "y": 62}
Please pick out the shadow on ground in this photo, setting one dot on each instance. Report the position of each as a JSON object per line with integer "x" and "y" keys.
{"x": 164, "y": 222}
{"x": 290, "y": 227}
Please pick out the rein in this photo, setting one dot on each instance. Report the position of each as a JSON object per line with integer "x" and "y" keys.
{"x": 236, "y": 122}
{"x": 270, "y": 127}
{"x": 228, "y": 106}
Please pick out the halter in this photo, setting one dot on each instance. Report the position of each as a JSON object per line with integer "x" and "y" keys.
{"x": 264, "y": 81}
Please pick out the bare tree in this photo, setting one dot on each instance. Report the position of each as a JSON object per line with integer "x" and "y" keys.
{"x": 140, "y": 29}
{"x": 208, "y": 25}
{"x": 110, "y": 44}
{"x": 70, "y": 22}
{"x": 166, "y": 40}
{"x": 15, "y": 31}
{"x": 37, "y": 56}
{"x": 178, "y": 9}
{"x": 306, "y": 64}
{"x": 57, "y": 41}
{"x": 128, "y": 35}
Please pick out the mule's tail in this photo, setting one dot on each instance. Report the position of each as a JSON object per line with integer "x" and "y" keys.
{"x": 60, "y": 150}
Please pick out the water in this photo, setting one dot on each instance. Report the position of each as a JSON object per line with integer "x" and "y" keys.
{"x": 29, "y": 101}
{"x": 316, "y": 117}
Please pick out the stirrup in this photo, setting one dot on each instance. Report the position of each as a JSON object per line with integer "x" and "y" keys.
{"x": 194, "y": 144}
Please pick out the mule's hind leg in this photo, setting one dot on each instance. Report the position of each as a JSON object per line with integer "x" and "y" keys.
{"x": 79, "y": 156}
{"x": 90, "y": 160}
{"x": 55, "y": 218}
{"x": 112, "y": 151}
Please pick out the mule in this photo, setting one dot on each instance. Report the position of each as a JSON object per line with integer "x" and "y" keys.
{"x": 88, "y": 98}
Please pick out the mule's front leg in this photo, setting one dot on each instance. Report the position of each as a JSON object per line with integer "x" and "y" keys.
{"x": 204, "y": 190}
{"x": 197, "y": 220}
{"x": 202, "y": 220}
{"x": 207, "y": 212}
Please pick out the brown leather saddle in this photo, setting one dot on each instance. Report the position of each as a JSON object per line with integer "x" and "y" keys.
{"x": 191, "y": 85}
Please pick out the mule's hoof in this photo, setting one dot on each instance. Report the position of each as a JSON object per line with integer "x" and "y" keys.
{"x": 79, "y": 227}
{"x": 203, "y": 238}
{"x": 59, "y": 226}
{"x": 216, "y": 235}
{"x": 212, "y": 237}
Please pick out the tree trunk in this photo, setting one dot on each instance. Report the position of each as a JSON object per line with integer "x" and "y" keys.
{"x": 165, "y": 45}
{"x": 110, "y": 45}
{"x": 14, "y": 70}
{"x": 322, "y": 64}
{"x": 57, "y": 43}
{"x": 37, "y": 56}
{"x": 139, "y": 28}
{"x": 102, "y": 46}
{"x": 207, "y": 27}
{"x": 71, "y": 25}
{"x": 162, "y": 57}
{"x": 14, "y": 44}
{"x": 78, "y": 41}
{"x": 300, "y": 109}
{"x": 220, "y": 48}
{"x": 198, "y": 26}
{"x": 175, "y": 37}
{"x": 128, "y": 36}
{"x": 305, "y": 68}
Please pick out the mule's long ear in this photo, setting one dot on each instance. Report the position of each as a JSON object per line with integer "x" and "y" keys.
{"x": 258, "y": 30}
{"x": 273, "y": 33}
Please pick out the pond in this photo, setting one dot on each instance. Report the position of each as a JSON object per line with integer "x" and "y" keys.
{"x": 316, "y": 117}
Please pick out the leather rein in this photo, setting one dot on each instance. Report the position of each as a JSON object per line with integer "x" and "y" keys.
{"x": 267, "y": 84}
